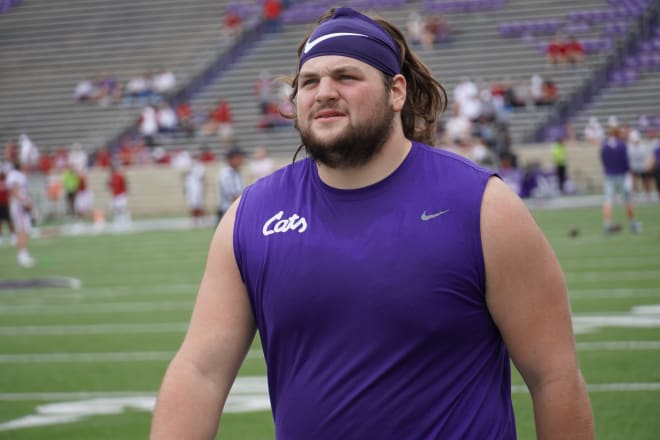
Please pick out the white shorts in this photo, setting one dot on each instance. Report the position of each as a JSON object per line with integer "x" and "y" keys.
{"x": 120, "y": 203}
{"x": 83, "y": 202}
{"x": 21, "y": 218}
{"x": 621, "y": 184}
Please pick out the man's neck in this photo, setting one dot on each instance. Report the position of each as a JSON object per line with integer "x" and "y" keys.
{"x": 384, "y": 163}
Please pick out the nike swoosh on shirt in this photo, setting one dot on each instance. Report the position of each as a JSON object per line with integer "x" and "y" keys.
{"x": 426, "y": 216}
{"x": 311, "y": 43}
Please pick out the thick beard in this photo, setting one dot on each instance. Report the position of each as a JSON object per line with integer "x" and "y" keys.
{"x": 355, "y": 146}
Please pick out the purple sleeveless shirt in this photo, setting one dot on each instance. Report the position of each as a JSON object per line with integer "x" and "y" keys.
{"x": 370, "y": 303}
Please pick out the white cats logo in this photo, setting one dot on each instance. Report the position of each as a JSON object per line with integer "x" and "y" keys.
{"x": 276, "y": 224}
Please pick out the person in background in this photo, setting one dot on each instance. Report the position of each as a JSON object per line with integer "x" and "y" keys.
{"x": 5, "y": 218}
{"x": 593, "y": 132}
{"x": 639, "y": 153}
{"x": 194, "y": 185}
{"x": 559, "y": 160}
{"x": 70, "y": 182}
{"x": 261, "y": 164}
{"x": 574, "y": 51}
{"x": 653, "y": 165}
{"x": 230, "y": 182}
{"x": 119, "y": 191}
{"x": 617, "y": 181}
{"x": 20, "y": 207}
{"x": 391, "y": 282}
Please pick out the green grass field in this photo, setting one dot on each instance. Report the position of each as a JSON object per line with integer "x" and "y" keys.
{"x": 86, "y": 363}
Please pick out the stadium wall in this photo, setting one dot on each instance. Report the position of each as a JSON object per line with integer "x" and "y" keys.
{"x": 158, "y": 190}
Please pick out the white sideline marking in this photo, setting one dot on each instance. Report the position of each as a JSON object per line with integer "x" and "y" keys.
{"x": 613, "y": 293}
{"x": 612, "y": 275}
{"x": 618, "y": 345}
{"x": 249, "y": 394}
{"x": 114, "y": 307}
{"x": 92, "y": 329}
{"x": 130, "y": 356}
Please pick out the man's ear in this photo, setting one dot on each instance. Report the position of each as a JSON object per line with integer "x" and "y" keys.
{"x": 398, "y": 92}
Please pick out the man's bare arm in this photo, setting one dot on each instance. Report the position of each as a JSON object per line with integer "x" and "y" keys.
{"x": 527, "y": 297}
{"x": 222, "y": 327}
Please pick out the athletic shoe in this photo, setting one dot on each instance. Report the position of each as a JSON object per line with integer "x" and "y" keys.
{"x": 635, "y": 227}
{"x": 25, "y": 260}
{"x": 612, "y": 229}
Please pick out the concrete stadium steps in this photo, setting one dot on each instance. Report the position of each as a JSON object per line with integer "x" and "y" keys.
{"x": 477, "y": 50}
{"x": 627, "y": 103}
{"x": 48, "y": 46}
{"x": 55, "y": 43}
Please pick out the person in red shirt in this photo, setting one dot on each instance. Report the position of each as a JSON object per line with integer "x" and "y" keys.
{"x": 119, "y": 191}
{"x": 4, "y": 204}
{"x": 272, "y": 11}
{"x": 220, "y": 122}
{"x": 556, "y": 51}
{"x": 84, "y": 199}
{"x": 574, "y": 51}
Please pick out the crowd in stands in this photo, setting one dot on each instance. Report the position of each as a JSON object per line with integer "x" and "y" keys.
{"x": 477, "y": 121}
{"x": 105, "y": 89}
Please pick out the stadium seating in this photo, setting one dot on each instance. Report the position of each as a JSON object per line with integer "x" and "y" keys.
{"x": 49, "y": 46}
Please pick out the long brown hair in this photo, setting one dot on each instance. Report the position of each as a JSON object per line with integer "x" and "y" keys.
{"x": 426, "y": 98}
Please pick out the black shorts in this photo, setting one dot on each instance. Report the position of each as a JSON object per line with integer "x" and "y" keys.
{"x": 4, "y": 213}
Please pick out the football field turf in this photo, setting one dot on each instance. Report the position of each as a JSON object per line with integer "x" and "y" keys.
{"x": 86, "y": 363}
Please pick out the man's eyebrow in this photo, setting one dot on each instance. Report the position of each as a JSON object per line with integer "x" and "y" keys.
{"x": 334, "y": 71}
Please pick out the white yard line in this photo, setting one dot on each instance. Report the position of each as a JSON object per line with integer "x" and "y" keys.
{"x": 617, "y": 345}
{"x": 113, "y": 307}
{"x": 50, "y": 330}
{"x": 613, "y": 293}
{"x": 129, "y": 356}
{"x": 612, "y": 275}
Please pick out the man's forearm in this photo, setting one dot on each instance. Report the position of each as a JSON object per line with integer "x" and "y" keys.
{"x": 188, "y": 405}
{"x": 562, "y": 411}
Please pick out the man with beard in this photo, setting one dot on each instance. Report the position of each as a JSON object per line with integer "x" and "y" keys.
{"x": 389, "y": 280}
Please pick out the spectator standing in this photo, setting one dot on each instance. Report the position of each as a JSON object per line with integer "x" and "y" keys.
{"x": 639, "y": 154}
{"x": 20, "y": 208}
{"x": 230, "y": 182}
{"x": 119, "y": 191}
{"x": 84, "y": 200}
{"x": 194, "y": 184}
{"x": 653, "y": 165}
{"x": 559, "y": 160}
{"x": 617, "y": 181}
{"x": 5, "y": 218}
{"x": 593, "y": 132}
{"x": 70, "y": 182}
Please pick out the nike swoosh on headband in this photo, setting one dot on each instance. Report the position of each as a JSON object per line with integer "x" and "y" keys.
{"x": 311, "y": 43}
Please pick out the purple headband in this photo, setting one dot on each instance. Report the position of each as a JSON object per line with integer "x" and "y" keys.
{"x": 351, "y": 34}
